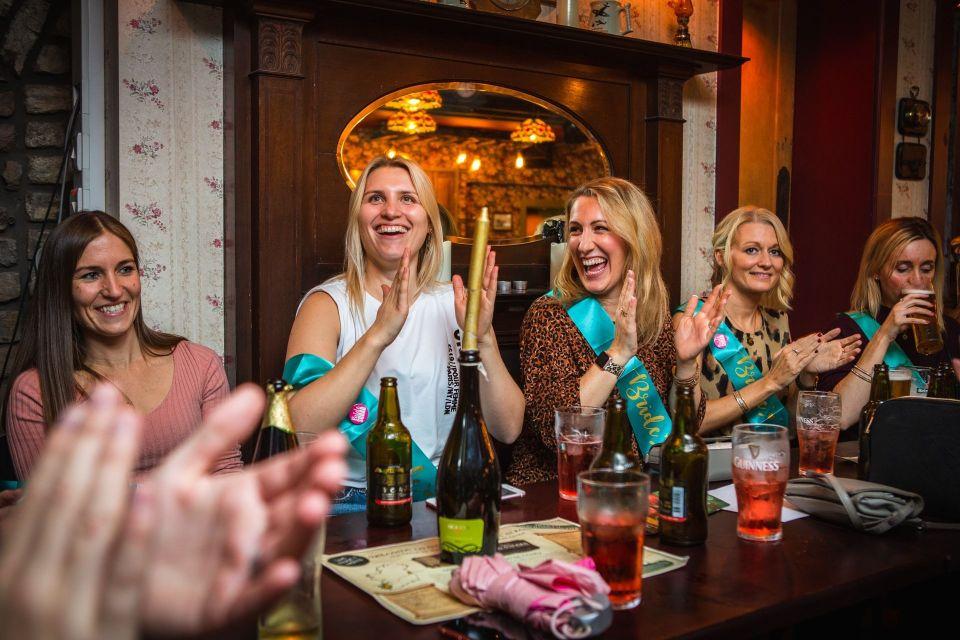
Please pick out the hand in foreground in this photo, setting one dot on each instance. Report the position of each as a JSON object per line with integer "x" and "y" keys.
{"x": 834, "y": 353}
{"x": 692, "y": 333}
{"x": 911, "y": 309}
{"x": 488, "y": 297}
{"x": 8, "y": 501}
{"x": 625, "y": 341}
{"x": 224, "y": 547}
{"x": 393, "y": 311}
{"x": 792, "y": 359}
{"x": 73, "y": 555}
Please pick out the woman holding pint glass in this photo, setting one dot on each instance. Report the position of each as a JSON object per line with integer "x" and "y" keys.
{"x": 606, "y": 324}
{"x": 896, "y": 308}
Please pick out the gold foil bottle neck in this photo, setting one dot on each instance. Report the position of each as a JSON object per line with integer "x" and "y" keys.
{"x": 278, "y": 410}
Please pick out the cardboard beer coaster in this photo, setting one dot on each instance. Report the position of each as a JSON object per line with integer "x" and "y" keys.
{"x": 410, "y": 581}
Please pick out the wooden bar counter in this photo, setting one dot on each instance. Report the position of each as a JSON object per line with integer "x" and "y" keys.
{"x": 822, "y": 577}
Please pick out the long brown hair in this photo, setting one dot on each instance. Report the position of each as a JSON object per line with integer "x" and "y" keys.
{"x": 53, "y": 340}
{"x": 881, "y": 249}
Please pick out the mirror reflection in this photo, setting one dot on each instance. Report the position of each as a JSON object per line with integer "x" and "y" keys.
{"x": 482, "y": 146}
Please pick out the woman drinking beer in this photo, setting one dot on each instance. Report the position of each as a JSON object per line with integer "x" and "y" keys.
{"x": 899, "y": 287}
{"x": 751, "y": 370}
{"x": 607, "y": 324}
{"x": 387, "y": 315}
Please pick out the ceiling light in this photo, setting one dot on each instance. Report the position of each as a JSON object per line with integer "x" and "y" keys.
{"x": 411, "y": 123}
{"x": 420, "y": 101}
{"x": 533, "y": 131}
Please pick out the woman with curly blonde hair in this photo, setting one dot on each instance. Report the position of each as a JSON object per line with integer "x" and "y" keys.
{"x": 605, "y": 325}
{"x": 387, "y": 315}
{"x": 751, "y": 370}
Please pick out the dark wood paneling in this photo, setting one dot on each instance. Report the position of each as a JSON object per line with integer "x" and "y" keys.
{"x": 838, "y": 138}
{"x": 945, "y": 51}
{"x": 885, "y": 105}
{"x": 292, "y": 98}
{"x": 728, "y": 111}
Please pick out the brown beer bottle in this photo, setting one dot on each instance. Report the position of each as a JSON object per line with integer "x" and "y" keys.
{"x": 617, "y": 450}
{"x": 943, "y": 382}
{"x": 276, "y": 431}
{"x": 389, "y": 458}
{"x": 683, "y": 477}
{"x": 879, "y": 392}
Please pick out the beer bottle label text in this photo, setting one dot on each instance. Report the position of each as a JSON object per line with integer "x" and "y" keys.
{"x": 461, "y": 535}
{"x": 391, "y": 486}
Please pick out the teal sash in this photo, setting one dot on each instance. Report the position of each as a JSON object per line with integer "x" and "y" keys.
{"x": 304, "y": 368}
{"x": 742, "y": 370}
{"x": 648, "y": 416}
{"x": 895, "y": 356}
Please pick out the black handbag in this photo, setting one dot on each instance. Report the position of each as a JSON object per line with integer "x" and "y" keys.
{"x": 915, "y": 446}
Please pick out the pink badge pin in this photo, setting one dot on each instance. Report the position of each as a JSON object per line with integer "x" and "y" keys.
{"x": 358, "y": 413}
{"x": 720, "y": 340}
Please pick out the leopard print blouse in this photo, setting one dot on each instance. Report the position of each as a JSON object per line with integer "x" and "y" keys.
{"x": 554, "y": 356}
{"x": 761, "y": 345}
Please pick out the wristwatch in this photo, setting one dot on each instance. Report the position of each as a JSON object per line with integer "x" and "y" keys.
{"x": 606, "y": 363}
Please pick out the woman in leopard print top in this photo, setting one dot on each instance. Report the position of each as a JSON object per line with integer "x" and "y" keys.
{"x": 753, "y": 260}
{"x": 613, "y": 256}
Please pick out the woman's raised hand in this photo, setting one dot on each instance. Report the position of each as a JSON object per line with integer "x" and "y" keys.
{"x": 906, "y": 312}
{"x": 625, "y": 341}
{"x": 73, "y": 555}
{"x": 834, "y": 353}
{"x": 488, "y": 297}
{"x": 393, "y": 311}
{"x": 692, "y": 333}
{"x": 792, "y": 359}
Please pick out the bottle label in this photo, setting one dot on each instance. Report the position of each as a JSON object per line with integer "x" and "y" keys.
{"x": 391, "y": 486}
{"x": 674, "y": 509}
{"x": 461, "y": 535}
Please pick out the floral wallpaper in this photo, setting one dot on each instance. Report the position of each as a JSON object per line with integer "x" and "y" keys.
{"x": 914, "y": 68}
{"x": 654, "y": 20}
{"x": 171, "y": 161}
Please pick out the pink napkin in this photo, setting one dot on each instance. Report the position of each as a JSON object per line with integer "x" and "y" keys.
{"x": 550, "y": 596}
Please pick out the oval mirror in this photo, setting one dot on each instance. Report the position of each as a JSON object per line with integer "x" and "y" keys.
{"x": 482, "y": 146}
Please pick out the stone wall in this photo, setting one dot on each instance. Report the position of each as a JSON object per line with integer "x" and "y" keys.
{"x": 35, "y": 101}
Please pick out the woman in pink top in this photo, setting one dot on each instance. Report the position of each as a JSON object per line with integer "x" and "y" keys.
{"x": 85, "y": 326}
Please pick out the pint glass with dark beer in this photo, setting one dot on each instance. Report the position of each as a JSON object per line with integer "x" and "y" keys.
{"x": 761, "y": 466}
{"x": 926, "y": 337}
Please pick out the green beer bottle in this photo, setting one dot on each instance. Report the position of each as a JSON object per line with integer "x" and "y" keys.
{"x": 276, "y": 433}
{"x": 468, "y": 478}
{"x": 389, "y": 456}
{"x": 879, "y": 392}
{"x": 683, "y": 477}
{"x": 617, "y": 450}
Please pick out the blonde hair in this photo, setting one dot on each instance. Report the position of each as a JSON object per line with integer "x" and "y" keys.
{"x": 883, "y": 245}
{"x": 630, "y": 216}
{"x": 430, "y": 255}
{"x": 778, "y": 298}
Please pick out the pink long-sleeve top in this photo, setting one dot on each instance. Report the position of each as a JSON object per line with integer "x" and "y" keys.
{"x": 199, "y": 384}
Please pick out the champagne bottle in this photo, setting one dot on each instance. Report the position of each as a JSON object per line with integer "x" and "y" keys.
{"x": 276, "y": 431}
{"x": 389, "y": 457}
{"x": 468, "y": 479}
{"x": 879, "y": 392}
{"x": 617, "y": 450}
{"x": 683, "y": 477}
{"x": 935, "y": 384}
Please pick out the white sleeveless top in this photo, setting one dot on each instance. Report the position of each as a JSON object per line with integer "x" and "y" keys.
{"x": 423, "y": 358}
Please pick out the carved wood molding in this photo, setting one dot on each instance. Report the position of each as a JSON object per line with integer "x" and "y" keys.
{"x": 669, "y": 98}
{"x": 279, "y": 47}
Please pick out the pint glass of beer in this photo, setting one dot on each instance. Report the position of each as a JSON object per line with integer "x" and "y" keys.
{"x": 926, "y": 337}
{"x": 900, "y": 380}
{"x": 761, "y": 466}
{"x": 579, "y": 437}
{"x": 818, "y": 429}
{"x": 612, "y": 508}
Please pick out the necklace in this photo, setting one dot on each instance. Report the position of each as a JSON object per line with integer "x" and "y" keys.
{"x": 99, "y": 377}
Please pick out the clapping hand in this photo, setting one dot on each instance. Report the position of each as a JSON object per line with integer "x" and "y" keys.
{"x": 692, "y": 333}
{"x": 73, "y": 555}
{"x": 223, "y": 547}
{"x": 393, "y": 311}
{"x": 488, "y": 297}
{"x": 625, "y": 341}
{"x": 834, "y": 353}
